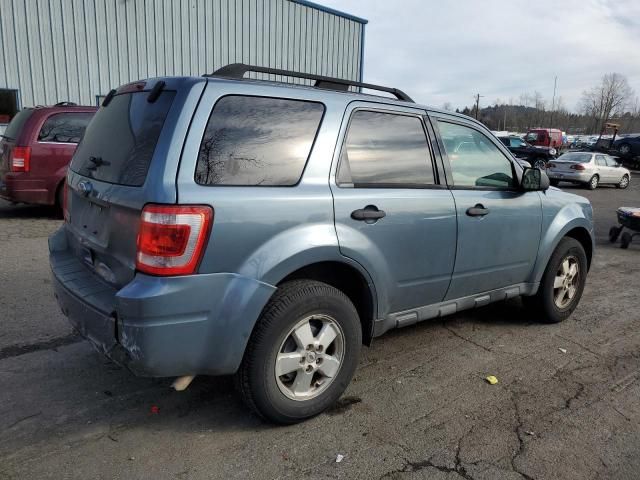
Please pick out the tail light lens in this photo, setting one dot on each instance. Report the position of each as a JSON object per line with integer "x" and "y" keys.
{"x": 20, "y": 159}
{"x": 577, "y": 166}
{"x": 172, "y": 238}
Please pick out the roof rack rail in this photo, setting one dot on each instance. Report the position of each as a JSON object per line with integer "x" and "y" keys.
{"x": 238, "y": 70}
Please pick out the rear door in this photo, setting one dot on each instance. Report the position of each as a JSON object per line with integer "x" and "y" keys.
{"x": 127, "y": 158}
{"x": 499, "y": 225}
{"x": 392, "y": 214}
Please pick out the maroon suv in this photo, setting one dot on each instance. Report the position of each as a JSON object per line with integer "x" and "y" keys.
{"x": 36, "y": 149}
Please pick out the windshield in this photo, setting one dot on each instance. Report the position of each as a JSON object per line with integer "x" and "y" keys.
{"x": 118, "y": 144}
{"x": 531, "y": 137}
{"x": 15, "y": 125}
{"x": 575, "y": 157}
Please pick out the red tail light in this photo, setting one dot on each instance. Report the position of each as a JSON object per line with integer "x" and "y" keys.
{"x": 577, "y": 166}
{"x": 172, "y": 238}
{"x": 20, "y": 159}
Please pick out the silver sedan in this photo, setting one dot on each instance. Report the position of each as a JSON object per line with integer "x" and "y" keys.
{"x": 589, "y": 169}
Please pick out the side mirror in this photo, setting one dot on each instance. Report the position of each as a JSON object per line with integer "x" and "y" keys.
{"x": 534, "y": 180}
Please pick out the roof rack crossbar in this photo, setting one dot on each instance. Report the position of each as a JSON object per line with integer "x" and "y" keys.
{"x": 238, "y": 70}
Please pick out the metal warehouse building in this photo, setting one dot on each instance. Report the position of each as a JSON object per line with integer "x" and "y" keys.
{"x": 77, "y": 50}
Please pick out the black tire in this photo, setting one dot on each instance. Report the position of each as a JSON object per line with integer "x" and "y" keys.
{"x": 593, "y": 183}
{"x": 624, "y": 148}
{"x": 543, "y": 304}
{"x": 614, "y": 233}
{"x": 554, "y": 183}
{"x": 624, "y": 182}
{"x": 540, "y": 163}
{"x": 256, "y": 379}
{"x": 625, "y": 240}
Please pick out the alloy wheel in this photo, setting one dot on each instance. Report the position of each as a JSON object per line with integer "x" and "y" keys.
{"x": 310, "y": 357}
{"x": 566, "y": 282}
{"x": 624, "y": 182}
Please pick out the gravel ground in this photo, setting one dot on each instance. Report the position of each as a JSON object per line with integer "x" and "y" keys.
{"x": 419, "y": 407}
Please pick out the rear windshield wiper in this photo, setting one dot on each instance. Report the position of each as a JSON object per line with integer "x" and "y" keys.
{"x": 97, "y": 162}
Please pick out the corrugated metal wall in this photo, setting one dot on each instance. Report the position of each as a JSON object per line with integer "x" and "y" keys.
{"x": 57, "y": 50}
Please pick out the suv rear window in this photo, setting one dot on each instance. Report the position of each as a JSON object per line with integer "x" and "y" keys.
{"x": 118, "y": 144}
{"x": 64, "y": 127}
{"x": 15, "y": 125}
{"x": 255, "y": 141}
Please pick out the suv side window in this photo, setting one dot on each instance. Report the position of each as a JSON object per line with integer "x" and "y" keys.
{"x": 64, "y": 127}
{"x": 516, "y": 142}
{"x": 385, "y": 149}
{"x": 253, "y": 141}
{"x": 475, "y": 161}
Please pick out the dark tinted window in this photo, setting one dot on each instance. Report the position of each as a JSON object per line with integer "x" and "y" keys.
{"x": 475, "y": 161}
{"x": 118, "y": 145}
{"x": 15, "y": 125}
{"x": 257, "y": 141}
{"x": 504, "y": 140}
{"x": 64, "y": 127}
{"x": 385, "y": 149}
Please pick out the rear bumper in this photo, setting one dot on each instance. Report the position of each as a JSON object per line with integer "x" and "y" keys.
{"x": 581, "y": 177}
{"x": 160, "y": 326}
{"x": 25, "y": 190}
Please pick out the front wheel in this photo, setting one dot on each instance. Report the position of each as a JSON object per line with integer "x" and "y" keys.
{"x": 562, "y": 283}
{"x": 625, "y": 149}
{"x": 593, "y": 183}
{"x": 614, "y": 233}
{"x": 624, "y": 182}
{"x": 302, "y": 354}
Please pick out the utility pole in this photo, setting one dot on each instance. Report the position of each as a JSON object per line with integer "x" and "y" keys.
{"x": 553, "y": 102}
{"x": 478, "y": 104}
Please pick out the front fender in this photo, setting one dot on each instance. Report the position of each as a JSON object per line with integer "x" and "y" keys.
{"x": 556, "y": 227}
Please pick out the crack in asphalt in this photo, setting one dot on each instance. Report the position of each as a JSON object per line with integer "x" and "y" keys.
{"x": 521, "y": 443}
{"x": 456, "y": 334}
{"x": 52, "y": 344}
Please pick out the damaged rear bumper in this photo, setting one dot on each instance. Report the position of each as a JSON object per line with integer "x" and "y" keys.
{"x": 160, "y": 326}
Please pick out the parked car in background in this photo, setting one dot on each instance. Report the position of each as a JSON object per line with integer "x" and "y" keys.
{"x": 628, "y": 146}
{"x": 218, "y": 225}
{"x": 535, "y": 156}
{"x": 544, "y": 137}
{"x": 35, "y": 150}
{"x": 589, "y": 169}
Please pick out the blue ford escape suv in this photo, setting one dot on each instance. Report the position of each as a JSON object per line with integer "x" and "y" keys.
{"x": 224, "y": 225}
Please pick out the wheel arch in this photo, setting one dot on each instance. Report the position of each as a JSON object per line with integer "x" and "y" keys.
{"x": 350, "y": 280}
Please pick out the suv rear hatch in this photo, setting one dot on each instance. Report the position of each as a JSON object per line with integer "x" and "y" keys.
{"x": 127, "y": 158}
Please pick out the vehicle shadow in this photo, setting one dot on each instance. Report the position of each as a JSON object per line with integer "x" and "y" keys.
{"x": 17, "y": 211}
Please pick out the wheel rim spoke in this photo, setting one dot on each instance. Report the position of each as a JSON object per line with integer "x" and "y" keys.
{"x": 571, "y": 292}
{"x": 326, "y": 336}
{"x": 565, "y": 266}
{"x": 302, "y": 383}
{"x": 558, "y": 282}
{"x": 573, "y": 270}
{"x": 303, "y": 335}
{"x": 287, "y": 363}
{"x": 330, "y": 366}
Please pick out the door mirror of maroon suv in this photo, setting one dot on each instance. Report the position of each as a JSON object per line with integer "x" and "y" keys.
{"x": 36, "y": 149}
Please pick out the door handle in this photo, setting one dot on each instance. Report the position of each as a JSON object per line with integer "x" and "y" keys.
{"x": 477, "y": 211}
{"x": 369, "y": 214}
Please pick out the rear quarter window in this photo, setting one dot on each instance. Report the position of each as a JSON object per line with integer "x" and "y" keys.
{"x": 64, "y": 127}
{"x": 14, "y": 129}
{"x": 257, "y": 141}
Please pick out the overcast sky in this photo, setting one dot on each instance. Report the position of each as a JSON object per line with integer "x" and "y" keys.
{"x": 447, "y": 51}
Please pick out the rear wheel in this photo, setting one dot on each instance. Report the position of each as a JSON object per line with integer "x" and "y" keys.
{"x": 302, "y": 354}
{"x": 562, "y": 283}
{"x": 540, "y": 163}
{"x": 624, "y": 182}
{"x": 614, "y": 233}
{"x": 593, "y": 183}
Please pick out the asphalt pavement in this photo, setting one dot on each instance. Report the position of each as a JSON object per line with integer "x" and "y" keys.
{"x": 567, "y": 404}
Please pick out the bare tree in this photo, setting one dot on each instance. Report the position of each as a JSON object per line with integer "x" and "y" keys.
{"x": 607, "y": 100}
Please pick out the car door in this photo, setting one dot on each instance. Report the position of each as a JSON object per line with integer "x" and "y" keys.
{"x": 392, "y": 214}
{"x": 614, "y": 168}
{"x": 499, "y": 225}
{"x": 606, "y": 176}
